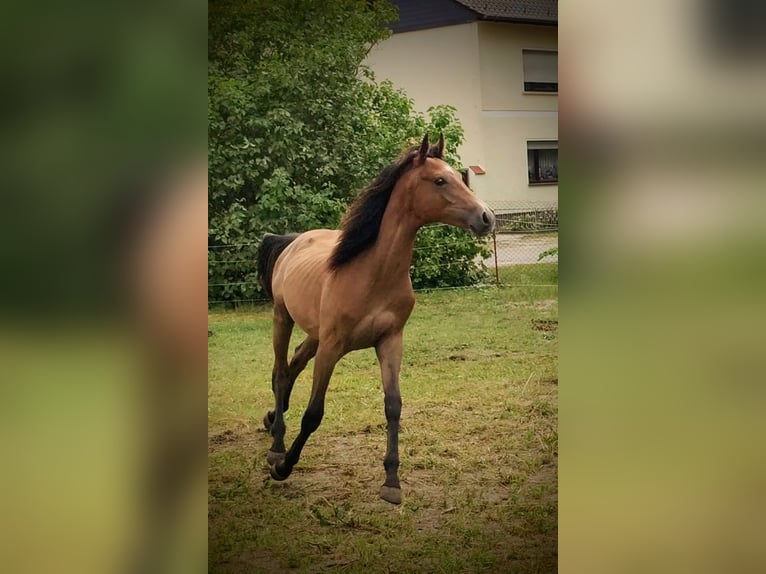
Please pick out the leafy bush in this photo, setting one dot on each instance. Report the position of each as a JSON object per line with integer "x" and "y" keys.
{"x": 297, "y": 125}
{"x": 447, "y": 257}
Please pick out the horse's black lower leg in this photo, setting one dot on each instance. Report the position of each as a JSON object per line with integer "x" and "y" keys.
{"x": 303, "y": 354}
{"x": 283, "y": 326}
{"x": 393, "y": 407}
{"x": 277, "y": 427}
{"x": 389, "y": 353}
{"x": 312, "y": 418}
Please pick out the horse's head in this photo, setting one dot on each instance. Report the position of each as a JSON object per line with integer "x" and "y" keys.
{"x": 440, "y": 196}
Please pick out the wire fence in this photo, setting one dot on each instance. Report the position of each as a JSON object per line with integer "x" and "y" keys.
{"x": 526, "y": 216}
{"x": 523, "y": 251}
{"x": 527, "y": 233}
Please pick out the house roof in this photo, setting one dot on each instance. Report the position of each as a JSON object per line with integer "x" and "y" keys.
{"x": 422, "y": 14}
{"x": 540, "y": 11}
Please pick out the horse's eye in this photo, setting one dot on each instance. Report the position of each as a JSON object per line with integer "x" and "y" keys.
{"x": 440, "y": 181}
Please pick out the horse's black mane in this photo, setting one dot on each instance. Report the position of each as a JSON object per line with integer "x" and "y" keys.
{"x": 361, "y": 224}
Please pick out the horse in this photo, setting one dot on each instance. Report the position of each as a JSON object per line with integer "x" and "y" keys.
{"x": 350, "y": 289}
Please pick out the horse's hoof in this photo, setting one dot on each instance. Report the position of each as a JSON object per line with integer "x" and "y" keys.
{"x": 275, "y": 457}
{"x": 275, "y": 475}
{"x": 267, "y": 421}
{"x": 391, "y": 494}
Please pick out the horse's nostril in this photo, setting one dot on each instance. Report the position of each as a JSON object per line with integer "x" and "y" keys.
{"x": 485, "y": 218}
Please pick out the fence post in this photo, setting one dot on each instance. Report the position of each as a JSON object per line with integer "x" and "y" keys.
{"x": 494, "y": 250}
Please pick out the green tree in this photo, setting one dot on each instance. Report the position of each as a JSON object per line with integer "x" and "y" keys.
{"x": 297, "y": 125}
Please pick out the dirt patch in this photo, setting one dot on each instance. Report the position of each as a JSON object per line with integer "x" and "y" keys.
{"x": 332, "y": 468}
{"x": 478, "y": 355}
{"x": 261, "y": 560}
{"x": 223, "y": 437}
{"x": 545, "y": 324}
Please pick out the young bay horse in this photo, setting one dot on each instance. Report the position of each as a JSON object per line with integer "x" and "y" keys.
{"x": 350, "y": 289}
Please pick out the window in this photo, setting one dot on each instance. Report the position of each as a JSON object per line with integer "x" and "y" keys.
{"x": 541, "y": 71}
{"x": 543, "y": 162}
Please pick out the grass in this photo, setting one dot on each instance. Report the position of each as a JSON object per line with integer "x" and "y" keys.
{"x": 530, "y": 281}
{"x": 478, "y": 447}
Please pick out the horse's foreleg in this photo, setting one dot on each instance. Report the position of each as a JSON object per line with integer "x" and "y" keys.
{"x": 325, "y": 361}
{"x": 280, "y": 381}
{"x": 389, "y": 351}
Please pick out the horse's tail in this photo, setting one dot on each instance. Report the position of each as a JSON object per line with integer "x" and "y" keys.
{"x": 268, "y": 252}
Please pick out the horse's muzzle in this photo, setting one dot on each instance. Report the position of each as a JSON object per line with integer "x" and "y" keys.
{"x": 483, "y": 223}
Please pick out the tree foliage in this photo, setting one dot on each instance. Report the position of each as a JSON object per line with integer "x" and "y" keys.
{"x": 297, "y": 125}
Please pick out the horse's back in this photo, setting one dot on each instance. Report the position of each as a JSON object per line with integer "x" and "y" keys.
{"x": 300, "y": 273}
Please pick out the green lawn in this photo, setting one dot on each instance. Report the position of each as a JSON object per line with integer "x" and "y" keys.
{"x": 529, "y": 281}
{"x": 478, "y": 446}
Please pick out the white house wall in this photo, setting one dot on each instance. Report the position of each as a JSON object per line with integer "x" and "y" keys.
{"x": 478, "y": 68}
{"x": 505, "y": 144}
{"x": 510, "y": 118}
{"x": 502, "y": 66}
{"x": 437, "y": 66}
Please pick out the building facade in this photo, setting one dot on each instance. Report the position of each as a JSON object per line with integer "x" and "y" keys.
{"x": 497, "y": 62}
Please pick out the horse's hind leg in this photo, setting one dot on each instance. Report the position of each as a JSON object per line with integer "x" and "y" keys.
{"x": 303, "y": 354}
{"x": 280, "y": 379}
{"x": 326, "y": 358}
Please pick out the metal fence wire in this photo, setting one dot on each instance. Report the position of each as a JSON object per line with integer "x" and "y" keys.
{"x": 525, "y": 230}
{"x": 523, "y": 249}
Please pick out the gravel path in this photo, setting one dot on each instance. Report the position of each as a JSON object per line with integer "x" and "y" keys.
{"x": 514, "y": 248}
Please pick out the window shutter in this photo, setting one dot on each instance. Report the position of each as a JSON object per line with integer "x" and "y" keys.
{"x": 543, "y": 145}
{"x": 541, "y": 66}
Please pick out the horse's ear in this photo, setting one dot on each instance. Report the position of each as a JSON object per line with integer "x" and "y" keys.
{"x": 423, "y": 152}
{"x": 440, "y": 147}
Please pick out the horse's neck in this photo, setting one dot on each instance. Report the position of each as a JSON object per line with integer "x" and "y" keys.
{"x": 392, "y": 254}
